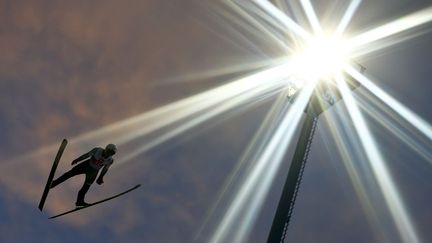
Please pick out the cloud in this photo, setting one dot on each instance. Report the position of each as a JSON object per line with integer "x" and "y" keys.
{"x": 69, "y": 67}
{"x": 72, "y": 67}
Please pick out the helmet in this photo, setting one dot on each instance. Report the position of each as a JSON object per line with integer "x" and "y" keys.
{"x": 111, "y": 149}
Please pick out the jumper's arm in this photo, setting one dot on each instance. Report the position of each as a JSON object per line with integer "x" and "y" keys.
{"x": 102, "y": 174}
{"x": 83, "y": 157}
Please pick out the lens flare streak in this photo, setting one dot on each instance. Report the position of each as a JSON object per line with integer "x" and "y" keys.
{"x": 391, "y": 125}
{"x": 284, "y": 19}
{"x": 398, "y": 107}
{"x": 246, "y": 99}
{"x": 312, "y": 17}
{"x": 192, "y": 111}
{"x": 393, "y": 200}
{"x": 342, "y": 134}
{"x": 238, "y": 8}
{"x": 402, "y": 24}
{"x": 238, "y": 218}
{"x": 351, "y": 10}
{"x": 242, "y": 212}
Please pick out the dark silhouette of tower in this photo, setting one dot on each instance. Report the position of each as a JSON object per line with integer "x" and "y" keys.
{"x": 324, "y": 96}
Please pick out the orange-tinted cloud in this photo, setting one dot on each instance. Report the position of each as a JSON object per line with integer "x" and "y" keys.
{"x": 68, "y": 67}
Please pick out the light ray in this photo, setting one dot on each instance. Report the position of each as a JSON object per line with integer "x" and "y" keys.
{"x": 295, "y": 11}
{"x": 188, "y": 107}
{"x": 267, "y": 80}
{"x": 398, "y": 107}
{"x": 392, "y": 198}
{"x": 133, "y": 128}
{"x": 351, "y": 10}
{"x": 249, "y": 155}
{"x": 402, "y": 24}
{"x": 222, "y": 71}
{"x": 390, "y": 123}
{"x": 312, "y": 17}
{"x": 254, "y": 22}
{"x": 269, "y": 22}
{"x": 243, "y": 210}
{"x": 176, "y": 118}
{"x": 248, "y": 99}
{"x": 346, "y": 144}
{"x": 284, "y": 19}
{"x": 383, "y": 44}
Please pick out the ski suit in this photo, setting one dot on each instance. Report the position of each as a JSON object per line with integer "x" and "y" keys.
{"x": 93, "y": 162}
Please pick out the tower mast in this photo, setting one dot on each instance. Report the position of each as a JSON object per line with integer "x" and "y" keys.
{"x": 324, "y": 96}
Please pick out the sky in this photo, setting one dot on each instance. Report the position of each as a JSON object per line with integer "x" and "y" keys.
{"x": 99, "y": 72}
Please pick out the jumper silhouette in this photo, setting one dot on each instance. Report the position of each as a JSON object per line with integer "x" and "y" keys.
{"x": 94, "y": 160}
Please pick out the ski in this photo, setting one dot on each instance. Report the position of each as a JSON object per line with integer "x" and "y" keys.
{"x": 51, "y": 174}
{"x": 101, "y": 201}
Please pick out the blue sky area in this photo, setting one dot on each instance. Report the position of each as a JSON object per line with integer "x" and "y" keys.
{"x": 70, "y": 68}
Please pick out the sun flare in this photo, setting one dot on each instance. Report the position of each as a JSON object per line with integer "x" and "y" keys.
{"x": 321, "y": 58}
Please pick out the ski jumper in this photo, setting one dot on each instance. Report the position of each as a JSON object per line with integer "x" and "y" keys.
{"x": 93, "y": 162}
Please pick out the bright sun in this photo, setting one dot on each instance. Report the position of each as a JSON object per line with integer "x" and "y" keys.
{"x": 321, "y": 58}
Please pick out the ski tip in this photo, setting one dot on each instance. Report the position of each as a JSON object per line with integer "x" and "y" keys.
{"x": 137, "y": 186}
{"x": 65, "y": 140}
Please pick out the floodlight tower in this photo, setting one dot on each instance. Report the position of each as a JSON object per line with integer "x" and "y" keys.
{"x": 324, "y": 96}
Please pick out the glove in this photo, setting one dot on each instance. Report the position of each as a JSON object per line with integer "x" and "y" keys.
{"x": 100, "y": 181}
